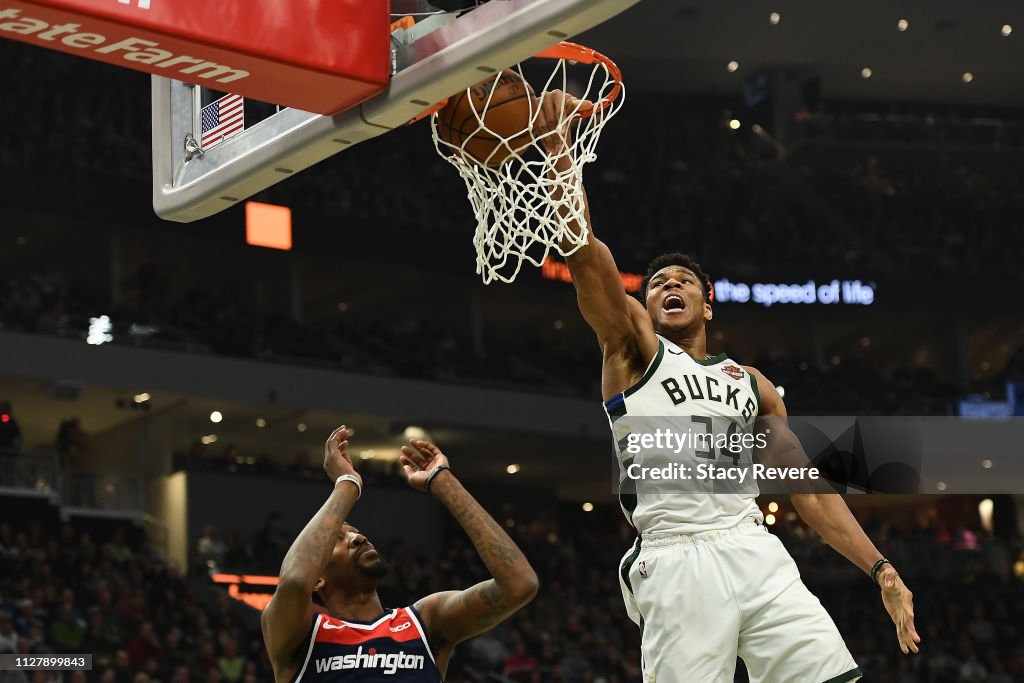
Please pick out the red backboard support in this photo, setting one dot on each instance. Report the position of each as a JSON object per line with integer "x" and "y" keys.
{"x": 321, "y": 56}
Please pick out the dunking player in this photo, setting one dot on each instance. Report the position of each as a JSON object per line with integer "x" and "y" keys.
{"x": 358, "y": 639}
{"x": 705, "y": 581}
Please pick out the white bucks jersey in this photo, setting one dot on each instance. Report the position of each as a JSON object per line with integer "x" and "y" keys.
{"x": 683, "y": 436}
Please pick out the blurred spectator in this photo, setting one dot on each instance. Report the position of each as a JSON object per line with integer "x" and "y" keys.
{"x": 145, "y": 646}
{"x": 10, "y": 433}
{"x": 71, "y": 440}
{"x": 487, "y": 652}
{"x": 8, "y": 638}
{"x": 271, "y": 543}
{"x": 102, "y": 637}
{"x": 210, "y": 548}
{"x": 236, "y": 554}
{"x": 971, "y": 671}
{"x": 521, "y": 665}
{"x": 231, "y": 664}
{"x": 67, "y": 631}
{"x": 206, "y": 661}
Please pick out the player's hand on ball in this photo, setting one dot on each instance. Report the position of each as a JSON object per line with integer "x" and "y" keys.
{"x": 899, "y": 603}
{"x": 552, "y": 107}
{"x": 419, "y": 460}
{"x": 337, "y": 461}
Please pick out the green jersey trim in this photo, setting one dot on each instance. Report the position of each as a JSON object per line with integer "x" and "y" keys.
{"x": 627, "y": 563}
{"x": 651, "y": 369}
{"x": 851, "y": 675}
{"x": 757, "y": 394}
{"x": 713, "y": 360}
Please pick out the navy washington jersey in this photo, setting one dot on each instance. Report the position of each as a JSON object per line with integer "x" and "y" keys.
{"x": 392, "y": 648}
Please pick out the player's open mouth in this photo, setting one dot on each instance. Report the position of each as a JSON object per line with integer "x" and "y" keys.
{"x": 674, "y": 303}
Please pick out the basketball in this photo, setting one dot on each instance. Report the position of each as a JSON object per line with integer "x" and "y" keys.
{"x": 489, "y": 128}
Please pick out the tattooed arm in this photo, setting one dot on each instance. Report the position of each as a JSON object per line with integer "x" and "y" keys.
{"x": 454, "y": 616}
{"x": 288, "y": 618}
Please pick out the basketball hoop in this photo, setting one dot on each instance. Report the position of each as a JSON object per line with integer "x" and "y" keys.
{"x": 522, "y": 204}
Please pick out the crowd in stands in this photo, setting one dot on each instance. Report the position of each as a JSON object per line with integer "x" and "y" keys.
{"x": 65, "y": 590}
{"x": 697, "y": 185}
{"x": 877, "y": 385}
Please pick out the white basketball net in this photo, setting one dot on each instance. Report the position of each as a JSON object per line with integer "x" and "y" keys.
{"x": 524, "y": 206}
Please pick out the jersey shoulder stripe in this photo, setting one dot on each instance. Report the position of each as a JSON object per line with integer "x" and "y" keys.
{"x": 651, "y": 369}
{"x": 309, "y": 651}
{"x": 753, "y": 385}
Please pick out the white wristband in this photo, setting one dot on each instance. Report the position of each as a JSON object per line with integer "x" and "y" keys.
{"x": 355, "y": 480}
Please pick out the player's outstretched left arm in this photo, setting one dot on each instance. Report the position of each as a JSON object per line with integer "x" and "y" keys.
{"x": 828, "y": 514}
{"x": 287, "y": 619}
{"x": 454, "y": 616}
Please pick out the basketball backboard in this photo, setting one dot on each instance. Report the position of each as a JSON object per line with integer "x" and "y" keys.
{"x": 444, "y": 52}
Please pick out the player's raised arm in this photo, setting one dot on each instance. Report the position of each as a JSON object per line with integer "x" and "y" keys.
{"x": 618, "y": 319}
{"x": 287, "y": 620}
{"x": 454, "y": 616}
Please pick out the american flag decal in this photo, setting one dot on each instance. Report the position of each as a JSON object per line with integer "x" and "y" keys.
{"x": 222, "y": 119}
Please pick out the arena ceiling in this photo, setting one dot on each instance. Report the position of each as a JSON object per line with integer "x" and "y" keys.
{"x": 686, "y": 45}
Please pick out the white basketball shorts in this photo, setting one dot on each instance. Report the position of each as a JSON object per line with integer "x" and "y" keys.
{"x": 702, "y": 599}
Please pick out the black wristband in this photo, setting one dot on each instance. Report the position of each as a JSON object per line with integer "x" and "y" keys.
{"x": 430, "y": 478}
{"x": 878, "y": 566}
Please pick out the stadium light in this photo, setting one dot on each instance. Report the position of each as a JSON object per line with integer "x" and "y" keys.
{"x": 774, "y": 18}
{"x": 985, "y": 508}
{"x": 216, "y": 416}
{"x": 866, "y": 72}
{"x": 267, "y": 225}
{"x": 415, "y": 432}
{"x": 588, "y": 507}
{"x": 967, "y": 77}
{"x": 260, "y": 422}
{"x": 734, "y": 124}
{"x": 902, "y": 25}
{"x": 1006, "y": 30}
{"x": 100, "y": 329}
{"x": 732, "y": 66}
{"x": 512, "y": 469}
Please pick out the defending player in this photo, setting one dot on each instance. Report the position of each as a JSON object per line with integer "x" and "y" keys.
{"x": 358, "y": 639}
{"x": 705, "y": 580}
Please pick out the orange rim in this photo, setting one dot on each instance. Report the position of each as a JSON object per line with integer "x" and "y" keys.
{"x": 585, "y": 55}
{"x": 573, "y": 52}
